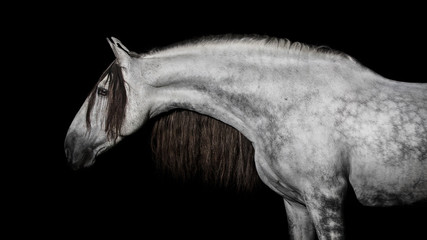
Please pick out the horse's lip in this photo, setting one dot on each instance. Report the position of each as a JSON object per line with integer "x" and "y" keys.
{"x": 82, "y": 164}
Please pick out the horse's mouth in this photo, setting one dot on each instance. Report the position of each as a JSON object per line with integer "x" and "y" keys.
{"x": 80, "y": 159}
{"x": 86, "y": 159}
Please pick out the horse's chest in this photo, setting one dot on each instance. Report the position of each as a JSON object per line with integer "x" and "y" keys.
{"x": 277, "y": 182}
{"x": 279, "y": 172}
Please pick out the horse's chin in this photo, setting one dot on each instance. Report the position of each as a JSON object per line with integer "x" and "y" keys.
{"x": 83, "y": 163}
{"x": 88, "y": 163}
{"x": 81, "y": 159}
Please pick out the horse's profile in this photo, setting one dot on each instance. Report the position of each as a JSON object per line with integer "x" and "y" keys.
{"x": 316, "y": 121}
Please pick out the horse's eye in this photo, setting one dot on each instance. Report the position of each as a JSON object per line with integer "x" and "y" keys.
{"x": 102, "y": 91}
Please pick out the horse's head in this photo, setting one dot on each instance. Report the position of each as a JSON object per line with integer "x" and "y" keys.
{"x": 108, "y": 113}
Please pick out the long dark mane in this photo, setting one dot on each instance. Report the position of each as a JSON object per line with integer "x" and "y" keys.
{"x": 189, "y": 145}
{"x": 116, "y": 103}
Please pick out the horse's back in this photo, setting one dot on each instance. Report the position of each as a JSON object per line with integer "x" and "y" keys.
{"x": 385, "y": 128}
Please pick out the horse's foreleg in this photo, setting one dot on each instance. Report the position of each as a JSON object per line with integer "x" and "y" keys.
{"x": 299, "y": 221}
{"x": 325, "y": 206}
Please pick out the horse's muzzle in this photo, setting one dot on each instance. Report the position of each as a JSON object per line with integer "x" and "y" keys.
{"x": 78, "y": 154}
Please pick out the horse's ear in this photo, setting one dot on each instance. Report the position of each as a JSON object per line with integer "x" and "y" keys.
{"x": 120, "y": 51}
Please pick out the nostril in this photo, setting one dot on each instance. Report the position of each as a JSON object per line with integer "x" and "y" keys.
{"x": 68, "y": 146}
{"x": 68, "y": 154}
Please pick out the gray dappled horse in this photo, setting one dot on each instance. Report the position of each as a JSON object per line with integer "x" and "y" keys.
{"x": 317, "y": 120}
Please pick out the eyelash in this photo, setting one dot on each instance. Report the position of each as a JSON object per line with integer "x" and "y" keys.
{"x": 102, "y": 91}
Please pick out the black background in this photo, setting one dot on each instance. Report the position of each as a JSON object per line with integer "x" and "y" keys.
{"x": 59, "y": 53}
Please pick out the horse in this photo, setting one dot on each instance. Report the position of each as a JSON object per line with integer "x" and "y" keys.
{"x": 307, "y": 121}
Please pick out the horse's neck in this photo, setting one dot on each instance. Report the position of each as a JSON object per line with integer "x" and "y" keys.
{"x": 217, "y": 86}
{"x": 239, "y": 88}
